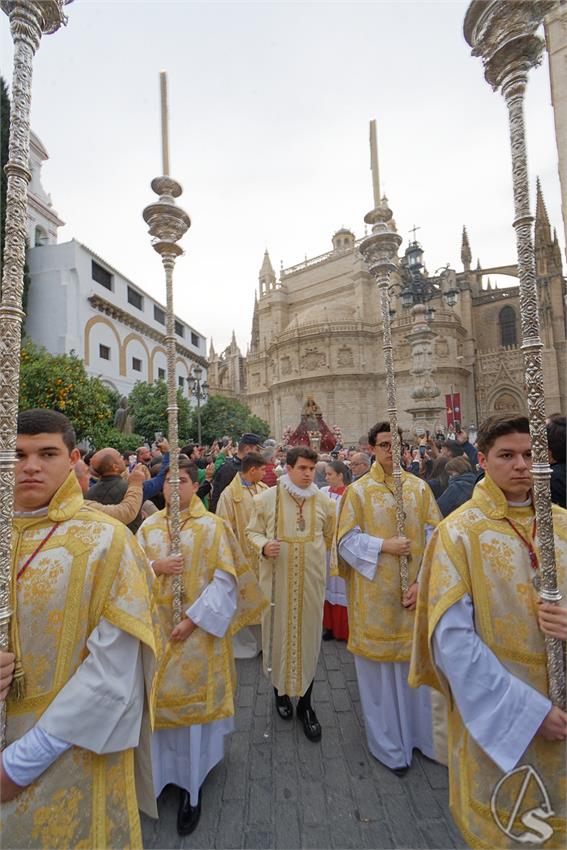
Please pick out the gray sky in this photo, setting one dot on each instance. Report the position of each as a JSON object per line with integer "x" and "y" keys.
{"x": 269, "y": 110}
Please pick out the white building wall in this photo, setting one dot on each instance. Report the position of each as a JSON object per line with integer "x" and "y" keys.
{"x": 61, "y": 318}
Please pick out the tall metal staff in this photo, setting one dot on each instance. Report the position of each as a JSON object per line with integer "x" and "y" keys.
{"x": 379, "y": 250}
{"x": 167, "y": 223}
{"x": 29, "y": 20}
{"x": 503, "y": 34}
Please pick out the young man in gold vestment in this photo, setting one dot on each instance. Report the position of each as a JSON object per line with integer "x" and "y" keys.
{"x": 477, "y": 638}
{"x": 195, "y": 681}
{"x": 83, "y": 638}
{"x": 235, "y": 506}
{"x": 292, "y": 524}
{"x": 396, "y": 718}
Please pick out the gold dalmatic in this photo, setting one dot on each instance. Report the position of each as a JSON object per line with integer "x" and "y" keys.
{"x": 196, "y": 677}
{"x": 235, "y": 506}
{"x": 477, "y": 551}
{"x": 90, "y": 568}
{"x": 300, "y": 576}
{"x": 380, "y": 628}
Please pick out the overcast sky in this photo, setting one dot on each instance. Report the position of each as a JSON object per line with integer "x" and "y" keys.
{"x": 269, "y": 111}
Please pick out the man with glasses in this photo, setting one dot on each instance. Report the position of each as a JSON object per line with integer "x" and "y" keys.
{"x": 396, "y": 718}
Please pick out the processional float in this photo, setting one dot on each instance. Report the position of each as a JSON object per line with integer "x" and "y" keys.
{"x": 167, "y": 223}
{"x": 379, "y": 250}
{"x": 29, "y": 20}
{"x": 503, "y": 34}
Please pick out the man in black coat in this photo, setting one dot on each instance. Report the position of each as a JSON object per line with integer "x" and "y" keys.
{"x": 247, "y": 443}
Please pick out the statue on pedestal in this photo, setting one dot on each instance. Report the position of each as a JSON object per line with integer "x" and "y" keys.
{"x": 122, "y": 417}
{"x": 313, "y": 430}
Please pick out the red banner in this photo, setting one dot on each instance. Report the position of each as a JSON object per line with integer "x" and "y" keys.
{"x": 453, "y": 409}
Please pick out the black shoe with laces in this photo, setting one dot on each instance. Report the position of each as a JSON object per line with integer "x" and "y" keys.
{"x": 187, "y": 815}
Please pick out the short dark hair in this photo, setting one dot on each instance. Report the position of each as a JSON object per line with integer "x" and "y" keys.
{"x": 187, "y": 466}
{"x": 556, "y": 437}
{"x": 341, "y": 469}
{"x": 40, "y": 421}
{"x": 499, "y": 426}
{"x": 455, "y": 448}
{"x": 188, "y": 449}
{"x": 379, "y": 428}
{"x": 253, "y": 460}
{"x": 296, "y": 452}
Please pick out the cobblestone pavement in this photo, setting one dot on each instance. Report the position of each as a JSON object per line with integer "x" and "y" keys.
{"x": 287, "y": 792}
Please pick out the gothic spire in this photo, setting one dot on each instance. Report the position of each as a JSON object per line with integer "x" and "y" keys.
{"x": 212, "y": 353}
{"x": 543, "y": 243}
{"x": 466, "y": 256}
{"x": 267, "y": 276}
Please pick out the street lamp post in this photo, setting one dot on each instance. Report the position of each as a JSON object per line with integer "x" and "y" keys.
{"x": 199, "y": 391}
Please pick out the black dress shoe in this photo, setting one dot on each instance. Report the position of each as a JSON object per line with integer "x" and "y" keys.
{"x": 284, "y": 707}
{"x": 311, "y": 725}
{"x": 328, "y": 634}
{"x": 400, "y": 771}
{"x": 187, "y": 815}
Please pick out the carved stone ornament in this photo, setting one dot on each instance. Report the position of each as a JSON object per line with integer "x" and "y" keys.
{"x": 345, "y": 356}
{"x": 285, "y": 366}
{"x": 442, "y": 348}
{"x": 312, "y": 359}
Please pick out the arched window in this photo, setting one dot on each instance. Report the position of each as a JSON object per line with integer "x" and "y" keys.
{"x": 507, "y": 319}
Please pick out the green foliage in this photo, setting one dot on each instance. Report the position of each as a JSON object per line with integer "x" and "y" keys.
{"x": 59, "y": 382}
{"x": 222, "y": 415}
{"x": 110, "y": 436}
{"x": 148, "y": 407}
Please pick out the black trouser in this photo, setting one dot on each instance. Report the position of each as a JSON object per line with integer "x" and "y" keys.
{"x": 305, "y": 700}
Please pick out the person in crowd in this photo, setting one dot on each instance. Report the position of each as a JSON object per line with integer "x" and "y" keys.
{"x": 235, "y": 506}
{"x": 111, "y": 487}
{"x": 360, "y": 464}
{"x": 83, "y": 639}
{"x": 321, "y": 473}
{"x": 437, "y": 476}
{"x": 479, "y": 638}
{"x": 556, "y": 446}
{"x": 128, "y": 509}
{"x": 196, "y": 678}
{"x": 396, "y": 718}
{"x": 461, "y": 485}
{"x": 292, "y": 527}
{"x": 335, "y": 615}
{"x": 460, "y": 445}
{"x": 270, "y": 476}
{"x": 247, "y": 443}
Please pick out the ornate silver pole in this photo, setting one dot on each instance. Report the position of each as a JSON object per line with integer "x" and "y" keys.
{"x": 167, "y": 223}
{"x": 29, "y": 20}
{"x": 379, "y": 250}
{"x": 503, "y": 34}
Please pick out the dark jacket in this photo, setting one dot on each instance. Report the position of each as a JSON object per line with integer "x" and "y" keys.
{"x": 558, "y": 484}
{"x": 223, "y": 478}
{"x": 457, "y": 493}
{"x": 154, "y": 486}
{"x": 110, "y": 490}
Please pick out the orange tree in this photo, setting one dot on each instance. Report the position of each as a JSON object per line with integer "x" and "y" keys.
{"x": 59, "y": 382}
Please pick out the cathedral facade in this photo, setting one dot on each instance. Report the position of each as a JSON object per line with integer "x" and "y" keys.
{"x": 317, "y": 331}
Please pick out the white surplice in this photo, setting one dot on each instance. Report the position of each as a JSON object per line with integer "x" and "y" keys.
{"x": 397, "y": 718}
{"x": 185, "y": 756}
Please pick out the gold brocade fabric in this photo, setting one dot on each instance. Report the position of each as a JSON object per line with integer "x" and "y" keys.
{"x": 235, "y": 506}
{"x": 91, "y": 568}
{"x": 196, "y": 677}
{"x": 380, "y": 628}
{"x": 300, "y": 577}
{"x": 476, "y": 552}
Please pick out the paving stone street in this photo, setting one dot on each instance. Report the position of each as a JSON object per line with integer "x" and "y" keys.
{"x": 287, "y": 792}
